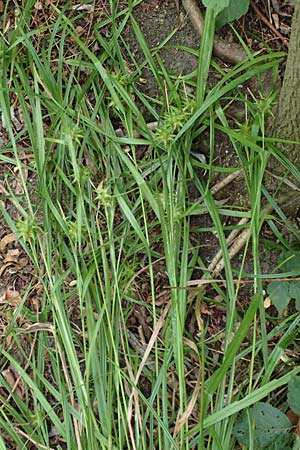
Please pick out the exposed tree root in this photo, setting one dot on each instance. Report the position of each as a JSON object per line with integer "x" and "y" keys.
{"x": 229, "y": 52}
{"x": 235, "y": 242}
{"x": 223, "y": 183}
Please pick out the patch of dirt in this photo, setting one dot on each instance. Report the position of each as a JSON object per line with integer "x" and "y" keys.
{"x": 157, "y": 21}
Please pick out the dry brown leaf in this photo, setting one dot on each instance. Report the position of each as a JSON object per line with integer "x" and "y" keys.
{"x": 40, "y": 326}
{"x": 267, "y": 303}
{"x": 12, "y": 256}
{"x": 16, "y": 384}
{"x": 298, "y": 429}
{"x": 11, "y": 237}
{"x": 189, "y": 409}
{"x": 36, "y": 303}
{"x": 133, "y": 396}
{"x": 13, "y": 252}
{"x": 10, "y": 296}
{"x": 4, "y": 267}
{"x": 23, "y": 262}
{"x": 275, "y": 20}
{"x": 293, "y": 418}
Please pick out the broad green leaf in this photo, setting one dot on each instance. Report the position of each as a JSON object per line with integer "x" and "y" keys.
{"x": 292, "y": 262}
{"x": 293, "y": 395}
{"x": 234, "y": 10}
{"x": 216, "y": 5}
{"x": 279, "y": 294}
{"x": 269, "y": 427}
{"x": 279, "y": 444}
{"x": 294, "y": 290}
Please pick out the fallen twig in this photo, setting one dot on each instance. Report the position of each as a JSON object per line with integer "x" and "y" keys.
{"x": 235, "y": 242}
{"x": 225, "y": 181}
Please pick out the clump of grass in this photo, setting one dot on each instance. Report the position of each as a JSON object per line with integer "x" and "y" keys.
{"x": 98, "y": 221}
